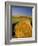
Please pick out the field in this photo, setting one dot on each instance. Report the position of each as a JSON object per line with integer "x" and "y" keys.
{"x": 20, "y": 18}
{"x": 21, "y": 26}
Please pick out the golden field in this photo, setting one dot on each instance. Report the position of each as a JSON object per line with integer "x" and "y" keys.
{"x": 23, "y": 27}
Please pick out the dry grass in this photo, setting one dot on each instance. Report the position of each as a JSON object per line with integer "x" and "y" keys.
{"x": 23, "y": 28}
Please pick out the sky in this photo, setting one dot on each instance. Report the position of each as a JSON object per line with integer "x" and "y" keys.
{"x": 19, "y": 10}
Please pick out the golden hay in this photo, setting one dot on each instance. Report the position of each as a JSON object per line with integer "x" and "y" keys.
{"x": 23, "y": 29}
